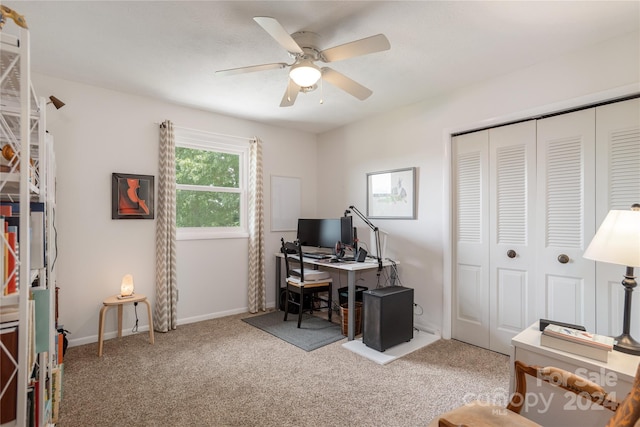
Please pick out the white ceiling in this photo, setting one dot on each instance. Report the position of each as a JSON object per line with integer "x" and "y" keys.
{"x": 171, "y": 49}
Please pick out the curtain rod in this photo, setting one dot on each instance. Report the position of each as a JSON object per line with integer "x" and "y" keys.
{"x": 250, "y": 139}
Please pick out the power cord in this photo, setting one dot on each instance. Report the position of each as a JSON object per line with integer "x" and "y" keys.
{"x": 135, "y": 309}
{"x": 417, "y": 306}
{"x": 390, "y": 279}
{"x": 395, "y": 276}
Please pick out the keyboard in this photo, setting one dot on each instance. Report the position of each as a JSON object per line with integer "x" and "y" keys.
{"x": 315, "y": 255}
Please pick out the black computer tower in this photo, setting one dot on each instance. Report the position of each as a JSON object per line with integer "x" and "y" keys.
{"x": 387, "y": 317}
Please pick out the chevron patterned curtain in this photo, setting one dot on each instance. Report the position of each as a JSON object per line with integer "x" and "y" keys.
{"x": 165, "y": 314}
{"x": 257, "y": 282}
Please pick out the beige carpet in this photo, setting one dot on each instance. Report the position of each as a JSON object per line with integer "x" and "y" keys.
{"x": 225, "y": 372}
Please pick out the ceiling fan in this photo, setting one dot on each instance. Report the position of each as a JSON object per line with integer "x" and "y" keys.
{"x": 304, "y": 73}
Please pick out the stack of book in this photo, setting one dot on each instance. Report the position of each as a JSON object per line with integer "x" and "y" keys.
{"x": 582, "y": 343}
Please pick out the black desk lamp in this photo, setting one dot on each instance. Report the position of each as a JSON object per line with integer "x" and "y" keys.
{"x": 618, "y": 242}
{"x": 375, "y": 231}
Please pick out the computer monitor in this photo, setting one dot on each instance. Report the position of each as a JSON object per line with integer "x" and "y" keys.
{"x": 347, "y": 232}
{"x": 325, "y": 233}
{"x": 309, "y": 232}
{"x": 330, "y": 233}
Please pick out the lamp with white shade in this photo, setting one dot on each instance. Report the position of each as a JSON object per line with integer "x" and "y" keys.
{"x": 617, "y": 241}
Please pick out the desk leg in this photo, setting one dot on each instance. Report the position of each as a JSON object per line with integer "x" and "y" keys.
{"x": 103, "y": 311}
{"x": 351, "y": 306}
{"x": 278, "y": 278}
{"x": 119, "y": 320}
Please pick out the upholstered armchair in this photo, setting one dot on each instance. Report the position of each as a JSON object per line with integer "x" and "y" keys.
{"x": 479, "y": 414}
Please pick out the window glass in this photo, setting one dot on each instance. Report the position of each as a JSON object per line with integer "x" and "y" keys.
{"x": 204, "y": 167}
{"x": 210, "y": 186}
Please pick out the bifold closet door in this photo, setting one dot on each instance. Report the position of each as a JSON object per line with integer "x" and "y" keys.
{"x": 512, "y": 197}
{"x": 617, "y": 187}
{"x": 566, "y": 217}
{"x": 494, "y": 294}
{"x": 528, "y": 200}
{"x": 470, "y": 309}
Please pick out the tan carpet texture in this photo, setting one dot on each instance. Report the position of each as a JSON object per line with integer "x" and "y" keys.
{"x": 225, "y": 372}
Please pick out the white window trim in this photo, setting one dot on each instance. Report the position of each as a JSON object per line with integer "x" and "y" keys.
{"x": 200, "y": 140}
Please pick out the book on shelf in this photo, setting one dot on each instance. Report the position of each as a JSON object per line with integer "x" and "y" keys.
{"x": 41, "y": 298}
{"x": 10, "y": 248}
{"x": 36, "y": 402}
{"x": 56, "y": 392}
{"x": 3, "y": 257}
{"x": 579, "y": 337}
{"x": 6, "y": 210}
{"x": 11, "y": 264}
{"x": 36, "y": 224}
{"x": 31, "y": 338}
{"x": 8, "y": 314}
{"x": 59, "y": 348}
{"x": 37, "y": 249}
{"x": 31, "y": 421}
{"x": 8, "y": 373}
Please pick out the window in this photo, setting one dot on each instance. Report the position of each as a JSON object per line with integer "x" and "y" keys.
{"x": 211, "y": 185}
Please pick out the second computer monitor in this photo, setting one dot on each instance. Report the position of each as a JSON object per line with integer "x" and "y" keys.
{"x": 347, "y": 232}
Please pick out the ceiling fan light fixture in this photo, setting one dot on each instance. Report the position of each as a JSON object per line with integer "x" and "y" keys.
{"x": 305, "y": 73}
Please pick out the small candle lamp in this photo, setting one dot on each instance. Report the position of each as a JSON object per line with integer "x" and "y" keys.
{"x": 126, "y": 288}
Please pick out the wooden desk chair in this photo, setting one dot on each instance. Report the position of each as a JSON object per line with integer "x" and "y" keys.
{"x": 478, "y": 414}
{"x": 304, "y": 283}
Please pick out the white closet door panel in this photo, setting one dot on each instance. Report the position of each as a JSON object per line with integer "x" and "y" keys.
{"x": 566, "y": 299}
{"x": 566, "y": 215}
{"x": 617, "y": 187}
{"x": 512, "y": 151}
{"x": 512, "y": 302}
{"x": 470, "y": 321}
{"x": 469, "y": 291}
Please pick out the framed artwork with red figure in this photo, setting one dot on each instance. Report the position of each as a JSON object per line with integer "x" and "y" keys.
{"x": 131, "y": 196}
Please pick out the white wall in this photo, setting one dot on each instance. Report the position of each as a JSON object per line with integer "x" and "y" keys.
{"x": 101, "y": 131}
{"x": 418, "y": 135}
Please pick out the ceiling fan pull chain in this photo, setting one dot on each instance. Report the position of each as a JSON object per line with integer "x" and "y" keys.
{"x": 321, "y": 92}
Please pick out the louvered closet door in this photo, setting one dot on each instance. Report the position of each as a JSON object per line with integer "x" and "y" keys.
{"x": 512, "y": 232}
{"x": 470, "y": 321}
{"x": 617, "y": 187}
{"x": 566, "y": 217}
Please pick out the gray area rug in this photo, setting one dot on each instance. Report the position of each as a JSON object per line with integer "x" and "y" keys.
{"x": 314, "y": 332}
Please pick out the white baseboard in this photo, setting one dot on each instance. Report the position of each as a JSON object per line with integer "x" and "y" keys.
{"x": 145, "y": 328}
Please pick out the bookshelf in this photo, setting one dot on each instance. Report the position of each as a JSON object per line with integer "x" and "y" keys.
{"x": 28, "y": 346}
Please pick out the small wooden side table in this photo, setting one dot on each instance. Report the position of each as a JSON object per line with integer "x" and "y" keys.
{"x": 119, "y": 302}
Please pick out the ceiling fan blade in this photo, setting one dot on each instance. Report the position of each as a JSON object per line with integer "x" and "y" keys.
{"x": 277, "y": 31}
{"x": 251, "y": 69}
{"x": 290, "y": 94}
{"x": 372, "y": 44}
{"x": 345, "y": 83}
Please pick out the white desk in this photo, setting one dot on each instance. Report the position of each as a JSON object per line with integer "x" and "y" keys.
{"x": 615, "y": 375}
{"x": 351, "y": 267}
